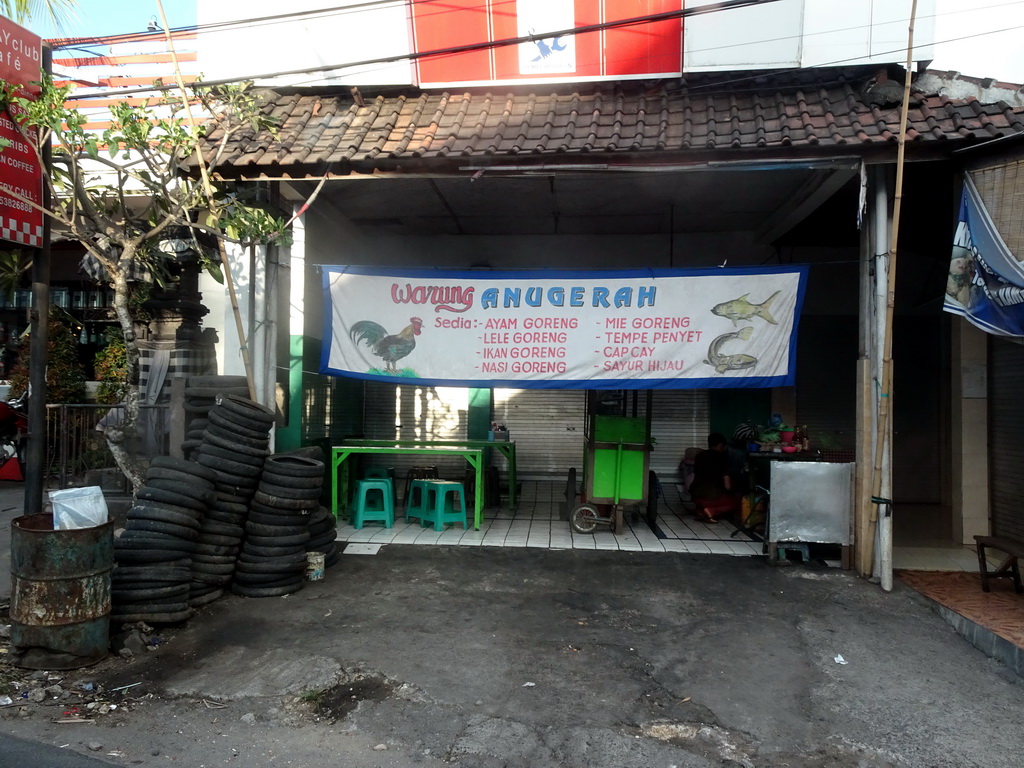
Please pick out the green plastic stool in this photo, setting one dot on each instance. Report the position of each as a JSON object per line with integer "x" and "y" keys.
{"x": 416, "y": 499}
{"x": 373, "y": 501}
{"x": 445, "y": 503}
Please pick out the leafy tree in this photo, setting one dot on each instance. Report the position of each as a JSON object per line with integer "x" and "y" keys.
{"x": 65, "y": 376}
{"x": 111, "y": 370}
{"x": 117, "y": 193}
{"x": 60, "y": 12}
{"x": 13, "y": 266}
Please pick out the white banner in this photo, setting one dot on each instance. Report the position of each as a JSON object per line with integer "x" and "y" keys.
{"x": 637, "y": 329}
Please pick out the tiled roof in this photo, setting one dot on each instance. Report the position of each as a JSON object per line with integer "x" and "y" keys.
{"x": 796, "y": 114}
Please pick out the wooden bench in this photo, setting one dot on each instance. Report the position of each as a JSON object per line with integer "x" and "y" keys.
{"x": 1009, "y": 568}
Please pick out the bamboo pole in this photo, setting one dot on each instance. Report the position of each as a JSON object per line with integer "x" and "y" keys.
{"x": 208, "y": 190}
{"x": 246, "y": 360}
{"x": 885, "y": 394}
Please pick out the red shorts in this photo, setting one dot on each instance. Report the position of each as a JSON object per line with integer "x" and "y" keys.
{"x": 726, "y": 504}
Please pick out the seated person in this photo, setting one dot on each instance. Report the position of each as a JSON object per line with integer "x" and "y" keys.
{"x": 738, "y": 475}
{"x": 712, "y": 486}
{"x": 685, "y": 468}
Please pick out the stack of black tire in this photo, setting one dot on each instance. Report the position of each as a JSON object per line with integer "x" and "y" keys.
{"x": 323, "y": 531}
{"x": 220, "y": 539}
{"x": 200, "y": 396}
{"x": 273, "y": 557}
{"x": 153, "y": 555}
{"x": 234, "y": 446}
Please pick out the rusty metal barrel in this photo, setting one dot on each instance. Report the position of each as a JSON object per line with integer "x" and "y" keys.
{"x": 60, "y": 593}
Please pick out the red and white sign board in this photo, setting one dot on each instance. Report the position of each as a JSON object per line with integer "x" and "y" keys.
{"x": 648, "y": 50}
{"x": 20, "y": 64}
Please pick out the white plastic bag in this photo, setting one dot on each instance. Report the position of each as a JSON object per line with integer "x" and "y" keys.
{"x": 78, "y": 508}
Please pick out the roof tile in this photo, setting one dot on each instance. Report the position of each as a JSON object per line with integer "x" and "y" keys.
{"x": 813, "y": 109}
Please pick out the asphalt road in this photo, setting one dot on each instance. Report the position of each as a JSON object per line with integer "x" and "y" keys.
{"x": 527, "y": 658}
{"x": 19, "y": 753}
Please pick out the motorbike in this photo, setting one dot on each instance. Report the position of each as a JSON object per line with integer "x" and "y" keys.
{"x": 13, "y": 433}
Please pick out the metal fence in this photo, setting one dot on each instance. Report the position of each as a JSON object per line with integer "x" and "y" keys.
{"x": 75, "y": 443}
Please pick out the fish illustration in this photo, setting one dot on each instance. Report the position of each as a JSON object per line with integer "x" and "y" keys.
{"x": 736, "y": 362}
{"x": 741, "y": 309}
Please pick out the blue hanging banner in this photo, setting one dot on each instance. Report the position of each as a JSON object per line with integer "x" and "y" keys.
{"x": 622, "y": 329}
{"x": 985, "y": 282}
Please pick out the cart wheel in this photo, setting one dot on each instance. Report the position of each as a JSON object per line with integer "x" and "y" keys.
{"x": 583, "y": 519}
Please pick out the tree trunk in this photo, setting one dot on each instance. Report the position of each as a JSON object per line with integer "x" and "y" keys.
{"x": 121, "y": 437}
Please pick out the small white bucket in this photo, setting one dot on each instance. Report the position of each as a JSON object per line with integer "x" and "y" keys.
{"x": 314, "y": 566}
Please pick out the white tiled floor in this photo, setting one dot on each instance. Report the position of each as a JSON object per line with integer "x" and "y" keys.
{"x": 937, "y": 556}
{"x": 535, "y": 523}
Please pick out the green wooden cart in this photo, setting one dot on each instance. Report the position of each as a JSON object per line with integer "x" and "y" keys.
{"x": 616, "y": 462}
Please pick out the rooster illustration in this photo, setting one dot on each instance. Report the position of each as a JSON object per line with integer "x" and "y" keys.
{"x": 391, "y": 348}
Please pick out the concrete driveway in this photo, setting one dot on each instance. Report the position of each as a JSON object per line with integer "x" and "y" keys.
{"x": 490, "y": 657}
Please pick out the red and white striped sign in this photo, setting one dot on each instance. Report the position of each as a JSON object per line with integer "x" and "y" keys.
{"x": 20, "y": 173}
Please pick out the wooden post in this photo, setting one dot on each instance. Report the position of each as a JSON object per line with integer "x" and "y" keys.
{"x": 882, "y": 444}
{"x": 862, "y": 481}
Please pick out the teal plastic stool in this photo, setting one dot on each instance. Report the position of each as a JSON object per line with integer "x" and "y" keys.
{"x": 783, "y": 548}
{"x": 417, "y": 473}
{"x": 445, "y": 503}
{"x": 382, "y": 473}
{"x": 416, "y": 499}
{"x": 373, "y": 500}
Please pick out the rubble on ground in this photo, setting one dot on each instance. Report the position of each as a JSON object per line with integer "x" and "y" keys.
{"x": 70, "y": 696}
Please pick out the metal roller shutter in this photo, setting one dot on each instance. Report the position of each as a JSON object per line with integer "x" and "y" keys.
{"x": 680, "y": 419}
{"x": 416, "y": 413}
{"x": 1006, "y": 428}
{"x": 549, "y": 426}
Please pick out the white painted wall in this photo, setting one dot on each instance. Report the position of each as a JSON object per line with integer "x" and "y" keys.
{"x": 221, "y": 316}
{"x": 362, "y": 31}
{"x": 216, "y": 300}
{"x": 806, "y": 33}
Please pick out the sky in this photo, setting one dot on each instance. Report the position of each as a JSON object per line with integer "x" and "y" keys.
{"x": 112, "y": 17}
{"x": 979, "y": 38}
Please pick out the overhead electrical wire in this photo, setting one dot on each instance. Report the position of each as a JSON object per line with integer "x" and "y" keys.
{"x": 454, "y": 50}
{"x": 342, "y": 10}
{"x": 228, "y": 25}
{"x": 451, "y": 50}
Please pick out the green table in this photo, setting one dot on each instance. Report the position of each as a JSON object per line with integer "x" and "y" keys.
{"x": 505, "y": 448}
{"x": 474, "y": 456}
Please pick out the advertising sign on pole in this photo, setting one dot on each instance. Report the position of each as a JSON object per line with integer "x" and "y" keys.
{"x": 20, "y": 65}
{"x": 550, "y": 50}
{"x": 607, "y": 329}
